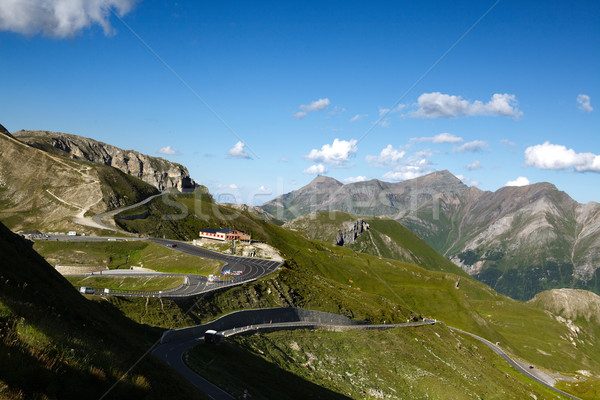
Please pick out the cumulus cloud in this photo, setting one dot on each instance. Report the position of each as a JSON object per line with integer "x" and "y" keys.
{"x": 354, "y": 179}
{"x": 584, "y": 103}
{"x": 169, "y": 151}
{"x": 520, "y": 181}
{"x": 468, "y": 181}
{"x": 357, "y": 117}
{"x": 415, "y": 166}
{"x": 388, "y": 156}
{"x": 263, "y": 189}
{"x": 300, "y": 115}
{"x": 440, "y": 105}
{"x": 237, "y": 151}
{"x": 470, "y": 147}
{"x": 59, "y": 18}
{"x": 338, "y": 153}
{"x": 317, "y": 169}
{"x": 317, "y": 105}
{"x": 441, "y": 138}
{"x": 474, "y": 166}
{"x": 557, "y": 157}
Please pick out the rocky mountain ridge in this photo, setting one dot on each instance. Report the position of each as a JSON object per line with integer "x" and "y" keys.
{"x": 158, "y": 172}
{"x": 350, "y": 231}
{"x": 519, "y": 240}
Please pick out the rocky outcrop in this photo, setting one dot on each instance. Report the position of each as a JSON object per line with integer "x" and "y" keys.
{"x": 350, "y": 231}
{"x": 158, "y": 172}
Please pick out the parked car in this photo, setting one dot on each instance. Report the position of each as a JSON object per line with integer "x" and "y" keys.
{"x": 86, "y": 290}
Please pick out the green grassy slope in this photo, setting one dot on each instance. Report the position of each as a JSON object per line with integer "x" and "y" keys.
{"x": 402, "y": 363}
{"x": 326, "y": 277}
{"x": 385, "y": 238}
{"x": 55, "y": 344}
{"x": 123, "y": 255}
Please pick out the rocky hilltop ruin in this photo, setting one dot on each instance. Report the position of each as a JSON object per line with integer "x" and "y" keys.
{"x": 158, "y": 172}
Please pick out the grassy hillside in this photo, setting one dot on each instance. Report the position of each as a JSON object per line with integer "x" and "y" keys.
{"x": 402, "y": 363}
{"x": 123, "y": 255}
{"x": 385, "y": 238}
{"x": 326, "y": 277}
{"x": 56, "y": 344}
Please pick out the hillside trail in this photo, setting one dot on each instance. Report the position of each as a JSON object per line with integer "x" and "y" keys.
{"x": 91, "y": 188}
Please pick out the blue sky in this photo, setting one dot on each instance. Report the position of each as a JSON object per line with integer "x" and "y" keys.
{"x": 389, "y": 90}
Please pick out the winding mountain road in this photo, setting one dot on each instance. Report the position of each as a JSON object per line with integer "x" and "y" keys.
{"x": 173, "y": 353}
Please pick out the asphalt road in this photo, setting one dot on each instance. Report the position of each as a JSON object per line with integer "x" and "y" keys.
{"x": 249, "y": 268}
{"x": 513, "y": 363}
{"x": 173, "y": 353}
{"x": 98, "y": 218}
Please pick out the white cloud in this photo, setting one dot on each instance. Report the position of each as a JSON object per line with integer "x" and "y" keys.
{"x": 169, "y": 151}
{"x": 317, "y": 169}
{"x": 357, "y": 117}
{"x": 468, "y": 181}
{"x": 558, "y": 157}
{"x": 263, "y": 189}
{"x": 354, "y": 179}
{"x": 584, "y": 103}
{"x": 59, "y": 18}
{"x": 470, "y": 147}
{"x": 508, "y": 143}
{"x": 232, "y": 186}
{"x": 441, "y": 138}
{"x": 474, "y": 166}
{"x": 237, "y": 151}
{"x": 439, "y": 105}
{"x": 386, "y": 111}
{"x": 317, "y": 105}
{"x": 299, "y": 115}
{"x": 283, "y": 159}
{"x": 405, "y": 172}
{"x": 385, "y": 123}
{"x": 520, "y": 181}
{"x": 417, "y": 165}
{"x": 388, "y": 156}
{"x": 337, "y": 153}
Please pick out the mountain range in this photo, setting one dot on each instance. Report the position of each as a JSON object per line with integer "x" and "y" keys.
{"x": 158, "y": 172}
{"x": 519, "y": 240}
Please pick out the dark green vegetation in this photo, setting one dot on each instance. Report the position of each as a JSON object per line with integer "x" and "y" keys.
{"x": 402, "y": 363}
{"x": 145, "y": 283}
{"x": 322, "y": 276}
{"x": 123, "y": 255}
{"x": 56, "y": 344}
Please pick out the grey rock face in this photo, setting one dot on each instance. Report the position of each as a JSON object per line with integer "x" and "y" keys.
{"x": 158, "y": 172}
{"x": 350, "y": 231}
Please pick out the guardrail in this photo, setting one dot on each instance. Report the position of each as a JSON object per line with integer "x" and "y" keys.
{"x": 258, "y": 317}
{"x": 140, "y": 293}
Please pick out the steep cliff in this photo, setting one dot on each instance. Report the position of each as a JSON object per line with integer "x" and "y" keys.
{"x": 158, "y": 172}
{"x": 350, "y": 231}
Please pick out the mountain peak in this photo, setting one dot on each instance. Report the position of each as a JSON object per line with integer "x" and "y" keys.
{"x": 321, "y": 179}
